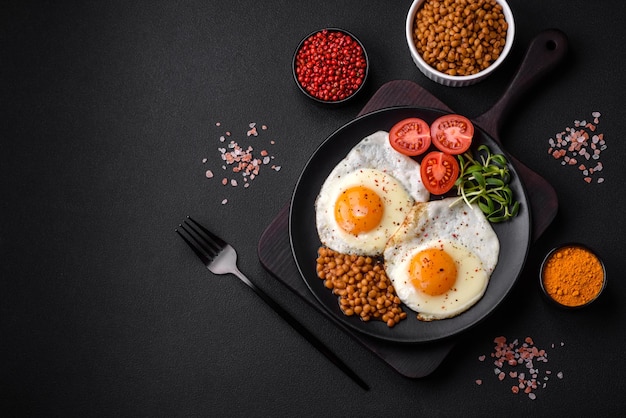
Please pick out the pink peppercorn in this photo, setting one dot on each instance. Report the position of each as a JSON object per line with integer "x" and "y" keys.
{"x": 330, "y": 65}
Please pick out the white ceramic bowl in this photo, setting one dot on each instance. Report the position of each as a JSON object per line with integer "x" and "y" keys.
{"x": 465, "y": 80}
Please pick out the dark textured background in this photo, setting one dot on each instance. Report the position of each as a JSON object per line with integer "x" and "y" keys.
{"x": 106, "y": 112}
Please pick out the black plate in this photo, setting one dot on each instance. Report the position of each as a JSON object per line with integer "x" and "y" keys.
{"x": 514, "y": 235}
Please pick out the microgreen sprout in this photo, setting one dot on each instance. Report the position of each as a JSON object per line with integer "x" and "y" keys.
{"x": 484, "y": 180}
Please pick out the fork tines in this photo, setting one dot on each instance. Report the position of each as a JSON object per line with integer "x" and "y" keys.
{"x": 207, "y": 245}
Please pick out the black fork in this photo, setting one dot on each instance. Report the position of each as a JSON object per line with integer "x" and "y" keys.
{"x": 221, "y": 258}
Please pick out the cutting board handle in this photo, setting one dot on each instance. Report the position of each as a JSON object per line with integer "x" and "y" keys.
{"x": 545, "y": 52}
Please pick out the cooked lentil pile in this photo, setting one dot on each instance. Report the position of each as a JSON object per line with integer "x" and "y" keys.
{"x": 362, "y": 286}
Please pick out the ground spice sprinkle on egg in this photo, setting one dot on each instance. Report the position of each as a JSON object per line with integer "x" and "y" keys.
{"x": 241, "y": 164}
{"x": 522, "y": 365}
{"x": 580, "y": 146}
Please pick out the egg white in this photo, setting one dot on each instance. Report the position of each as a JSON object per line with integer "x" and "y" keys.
{"x": 374, "y": 151}
{"x": 396, "y": 204}
{"x": 402, "y": 177}
{"x": 465, "y": 234}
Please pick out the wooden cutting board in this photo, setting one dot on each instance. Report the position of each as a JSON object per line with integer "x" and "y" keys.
{"x": 419, "y": 360}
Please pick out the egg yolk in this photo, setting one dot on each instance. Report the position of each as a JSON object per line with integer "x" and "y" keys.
{"x": 433, "y": 271}
{"x": 358, "y": 209}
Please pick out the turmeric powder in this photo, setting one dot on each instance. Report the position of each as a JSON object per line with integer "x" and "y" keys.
{"x": 573, "y": 276}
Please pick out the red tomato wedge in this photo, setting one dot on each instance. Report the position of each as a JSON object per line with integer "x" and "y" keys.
{"x": 410, "y": 136}
{"x": 439, "y": 172}
{"x": 452, "y": 133}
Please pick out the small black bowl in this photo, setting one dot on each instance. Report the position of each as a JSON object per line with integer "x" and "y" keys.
{"x": 352, "y": 92}
{"x": 554, "y": 253}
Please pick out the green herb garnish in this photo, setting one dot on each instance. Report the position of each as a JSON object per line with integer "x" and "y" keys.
{"x": 485, "y": 181}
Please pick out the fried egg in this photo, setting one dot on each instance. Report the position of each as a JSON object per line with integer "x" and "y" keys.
{"x": 366, "y": 197}
{"x": 441, "y": 259}
{"x": 360, "y": 211}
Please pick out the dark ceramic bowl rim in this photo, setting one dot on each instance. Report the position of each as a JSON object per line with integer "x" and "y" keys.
{"x": 547, "y": 257}
{"x": 303, "y": 90}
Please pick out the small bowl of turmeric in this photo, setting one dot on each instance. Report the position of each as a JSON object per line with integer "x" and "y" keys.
{"x": 572, "y": 276}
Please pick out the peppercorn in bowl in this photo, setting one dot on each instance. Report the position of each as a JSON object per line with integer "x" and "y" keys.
{"x": 459, "y": 42}
{"x": 330, "y": 66}
{"x": 572, "y": 276}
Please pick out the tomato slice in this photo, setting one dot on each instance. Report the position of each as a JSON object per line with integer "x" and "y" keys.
{"x": 410, "y": 136}
{"x": 439, "y": 172}
{"x": 452, "y": 133}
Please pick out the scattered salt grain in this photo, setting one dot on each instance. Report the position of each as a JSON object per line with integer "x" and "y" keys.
{"x": 577, "y": 140}
{"x": 241, "y": 160}
{"x": 508, "y": 356}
